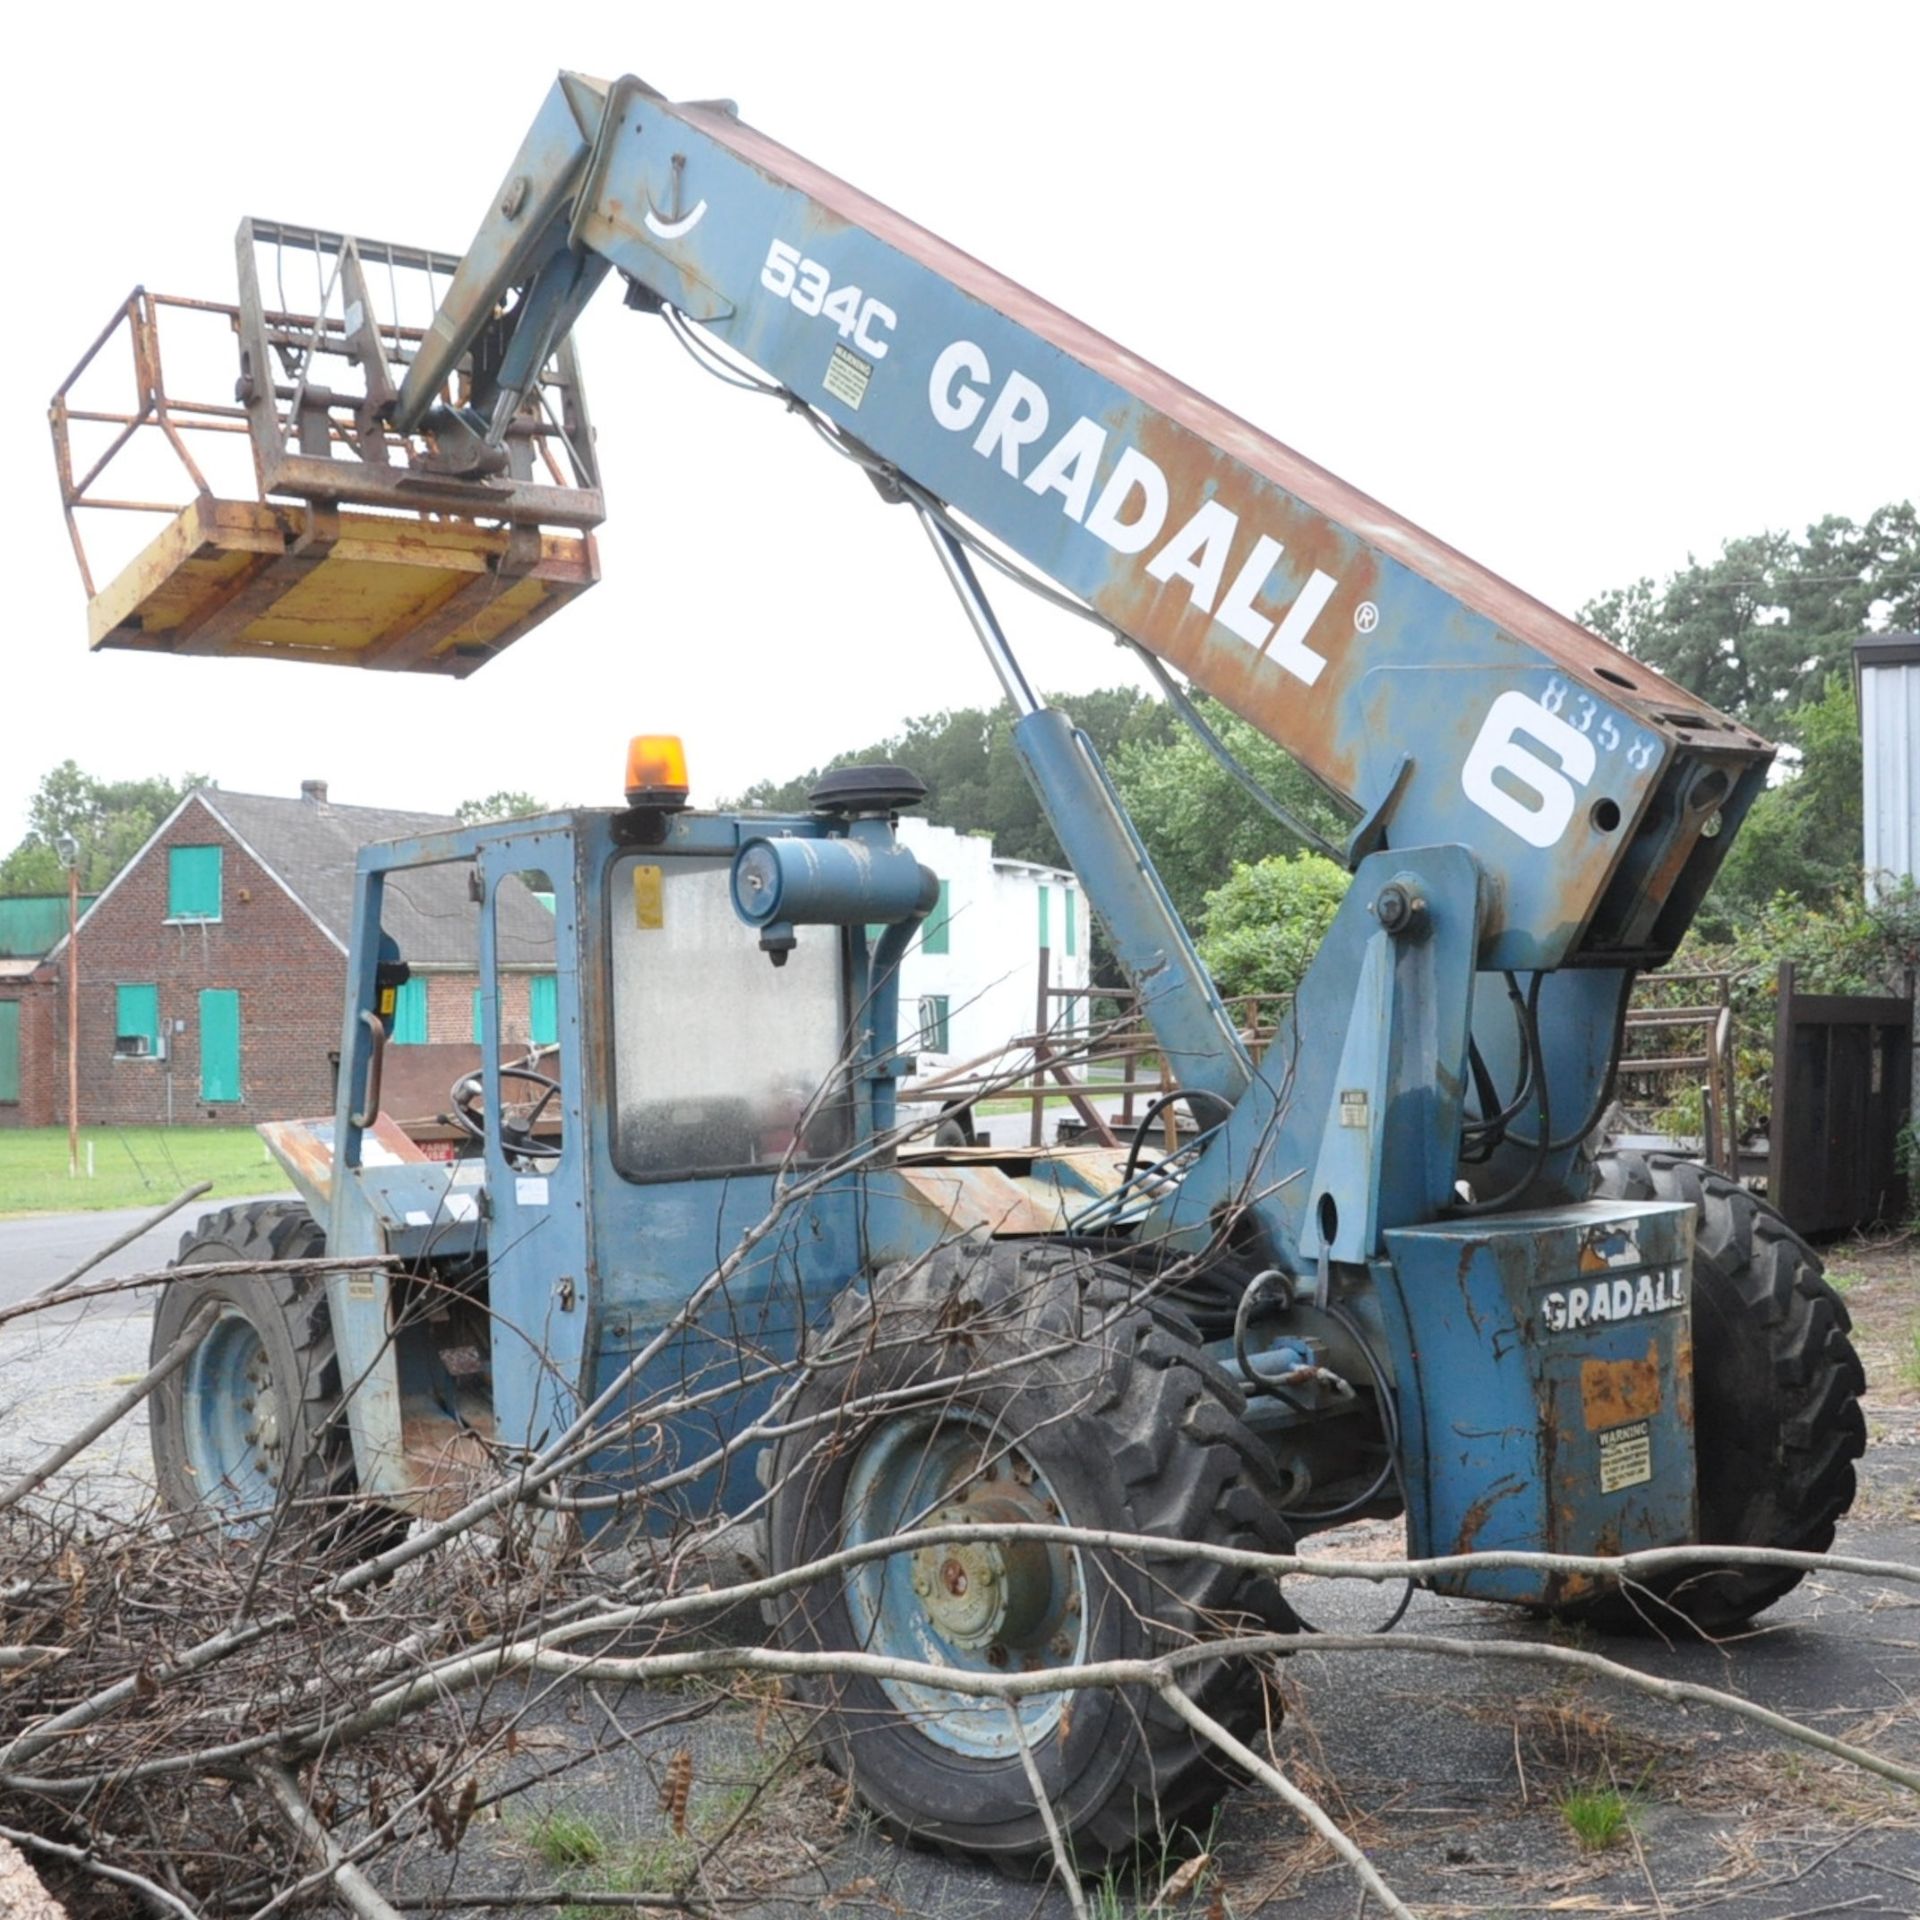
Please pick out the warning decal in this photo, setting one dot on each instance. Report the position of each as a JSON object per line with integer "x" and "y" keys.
{"x": 847, "y": 377}
{"x": 1626, "y": 1456}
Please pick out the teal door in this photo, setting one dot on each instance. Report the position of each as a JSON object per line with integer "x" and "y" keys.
{"x": 9, "y": 1050}
{"x": 219, "y": 1044}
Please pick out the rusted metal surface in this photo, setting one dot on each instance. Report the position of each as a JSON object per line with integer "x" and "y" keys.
{"x": 1842, "y": 1091}
{"x": 1615, "y": 1390}
{"x": 1546, "y": 1389}
{"x": 305, "y": 1149}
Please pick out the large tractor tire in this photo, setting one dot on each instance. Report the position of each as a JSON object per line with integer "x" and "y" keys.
{"x": 1777, "y": 1420}
{"x": 252, "y": 1428}
{"x": 1002, "y": 1386}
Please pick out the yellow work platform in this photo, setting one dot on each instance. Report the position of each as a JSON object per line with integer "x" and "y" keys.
{"x": 245, "y": 578}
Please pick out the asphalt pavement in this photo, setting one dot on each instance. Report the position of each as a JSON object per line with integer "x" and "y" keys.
{"x": 58, "y": 1366}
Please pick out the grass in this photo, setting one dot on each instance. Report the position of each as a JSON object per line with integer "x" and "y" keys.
{"x": 1909, "y": 1361}
{"x": 132, "y": 1167}
{"x": 561, "y": 1837}
{"x": 1596, "y": 1816}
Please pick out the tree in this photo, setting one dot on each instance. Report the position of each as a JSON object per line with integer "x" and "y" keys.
{"x": 1765, "y": 632}
{"x": 109, "y": 819}
{"x": 974, "y": 780}
{"x": 1757, "y": 631}
{"x": 1199, "y": 823}
{"x": 507, "y": 804}
{"x": 1803, "y": 836}
{"x": 1266, "y": 921}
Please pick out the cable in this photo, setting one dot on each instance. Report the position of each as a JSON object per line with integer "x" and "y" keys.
{"x": 1605, "y": 1097}
{"x": 1157, "y": 1106}
{"x": 1230, "y": 762}
{"x": 1481, "y": 1137}
{"x": 1390, "y": 1423}
{"x": 1243, "y": 1315}
{"x": 1496, "y": 1202}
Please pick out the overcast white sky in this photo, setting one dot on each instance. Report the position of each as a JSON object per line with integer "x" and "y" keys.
{"x": 1582, "y": 289}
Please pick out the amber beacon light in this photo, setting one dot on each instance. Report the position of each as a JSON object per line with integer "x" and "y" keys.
{"x": 656, "y": 771}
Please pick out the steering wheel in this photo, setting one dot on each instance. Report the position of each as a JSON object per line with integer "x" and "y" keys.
{"x": 518, "y": 1142}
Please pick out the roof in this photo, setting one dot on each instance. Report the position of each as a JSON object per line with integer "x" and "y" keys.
{"x": 31, "y": 923}
{"x": 1886, "y": 649}
{"x": 310, "y": 847}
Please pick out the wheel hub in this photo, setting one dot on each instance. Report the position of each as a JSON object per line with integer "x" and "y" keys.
{"x": 262, "y": 1405}
{"x": 987, "y": 1593}
{"x": 976, "y": 1605}
{"x": 234, "y": 1427}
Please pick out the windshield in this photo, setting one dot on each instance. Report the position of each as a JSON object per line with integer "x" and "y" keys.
{"x": 720, "y": 1060}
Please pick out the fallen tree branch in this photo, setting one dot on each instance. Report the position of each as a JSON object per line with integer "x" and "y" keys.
{"x": 90, "y": 1863}
{"x": 535, "y": 1655}
{"x": 1302, "y": 1803}
{"x": 353, "y": 1887}
{"x": 1064, "y": 1869}
{"x": 175, "y": 1357}
{"x": 209, "y": 1270}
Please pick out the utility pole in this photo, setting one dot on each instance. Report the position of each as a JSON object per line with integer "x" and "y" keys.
{"x": 69, "y": 850}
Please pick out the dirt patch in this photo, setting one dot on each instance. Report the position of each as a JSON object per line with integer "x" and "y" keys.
{"x": 1880, "y": 1281}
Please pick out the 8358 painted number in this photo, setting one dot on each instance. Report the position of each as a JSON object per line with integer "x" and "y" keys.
{"x": 809, "y": 286}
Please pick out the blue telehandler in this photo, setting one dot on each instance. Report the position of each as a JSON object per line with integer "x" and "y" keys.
{"x": 684, "y": 1250}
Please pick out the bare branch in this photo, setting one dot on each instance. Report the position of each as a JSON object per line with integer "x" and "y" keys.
{"x": 116, "y": 1409}
{"x": 89, "y": 1863}
{"x": 1308, "y": 1808}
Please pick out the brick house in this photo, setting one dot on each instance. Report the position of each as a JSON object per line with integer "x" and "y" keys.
{"x": 212, "y": 969}
{"x": 29, "y": 926}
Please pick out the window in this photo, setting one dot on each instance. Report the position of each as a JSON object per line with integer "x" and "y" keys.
{"x": 193, "y": 883}
{"x": 933, "y": 1022}
{"x": 136, "y": 1022}
{"x": 1046, "y": 915}
{"x": 219, "y": 1044}
{"x": 719, "y": 1061}
{"x": 543, "y": 1009}
{"x": 9, "y": 1052}
{"x": 1067, "y": 895}
{"x": 933, "y": 936}
{"x": 410, "y": 1015}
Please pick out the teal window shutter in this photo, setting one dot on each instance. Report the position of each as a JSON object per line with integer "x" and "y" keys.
{"x": 9, "y": 1050}
{"x": 543, "y": 1009}
{"x": 219, "y": 1044}
{"x": 1046, "y": 913}
{"x": 193, "y": 883}
{"x": 1072, "y": 942}
{"x": 136, "y": 1017}
{"x": 933, "y": 938}
{"x": 410, "y": 1015}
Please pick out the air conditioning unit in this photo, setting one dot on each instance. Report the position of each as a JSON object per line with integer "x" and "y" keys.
{"x": 134, "y": 1045}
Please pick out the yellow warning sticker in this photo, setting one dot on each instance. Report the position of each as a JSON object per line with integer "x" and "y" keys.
{"x": 648, "y": 907}
{"x": 1626, "y": 1456}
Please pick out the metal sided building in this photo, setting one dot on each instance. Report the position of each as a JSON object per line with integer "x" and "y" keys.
{"x": 1887, "y": 669}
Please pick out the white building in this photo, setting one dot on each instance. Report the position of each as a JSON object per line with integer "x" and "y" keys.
{"x": 1887, "y": 666}
{"x": 971, "y": 983}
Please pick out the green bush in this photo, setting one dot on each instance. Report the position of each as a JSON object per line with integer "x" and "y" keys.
{"x": 1266, "y": 922}
{"x": 1846, "y": 946}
